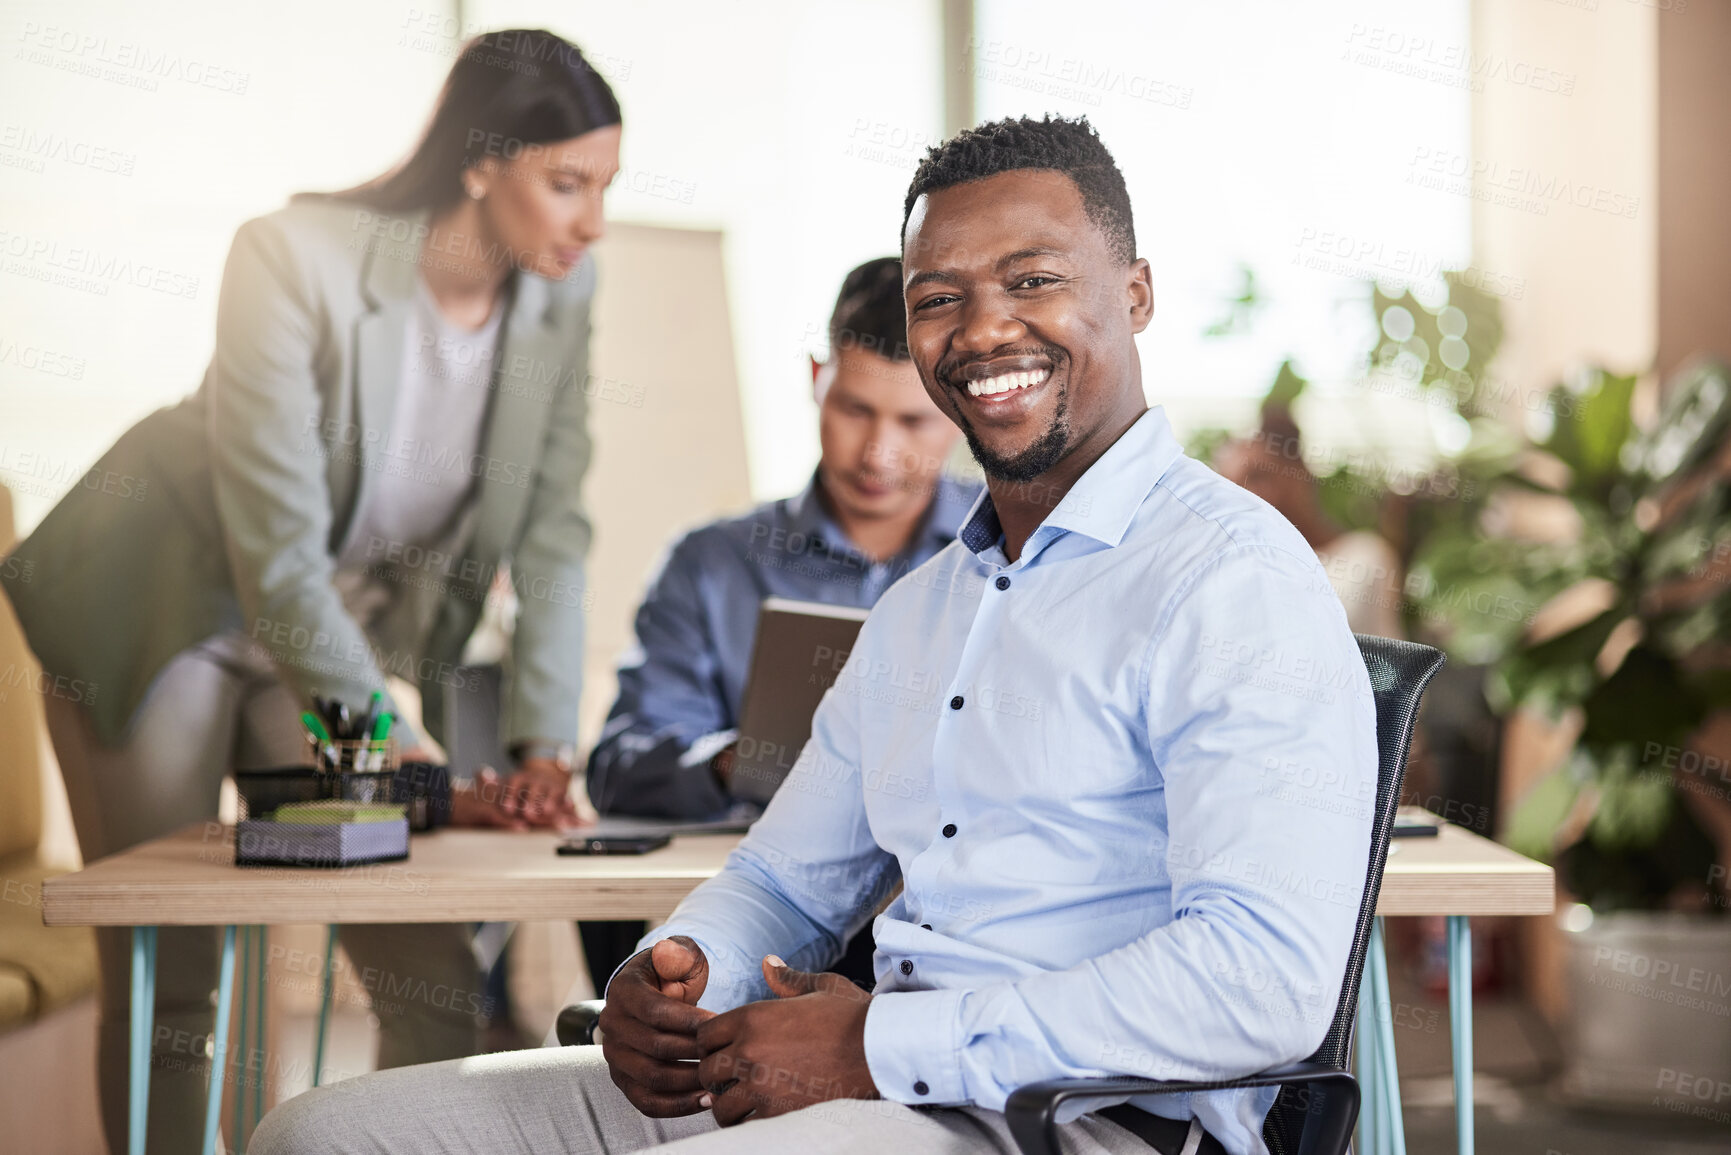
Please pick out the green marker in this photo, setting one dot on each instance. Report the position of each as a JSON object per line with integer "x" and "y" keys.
{"x": 314, "y": 727}
{"x": 373, "y": 705}
{"x": 382, "y": 728}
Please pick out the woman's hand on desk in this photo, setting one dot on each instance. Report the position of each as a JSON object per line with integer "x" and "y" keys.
{"x": 477, "y": 803}
{"x": 534, "y": 795}
{"x": 538, "y": 793}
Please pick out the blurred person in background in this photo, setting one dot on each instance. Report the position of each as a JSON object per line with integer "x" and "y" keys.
{"x": 1362, "y": 567}
{"x": 394, "y": 411}
{"x": 877, "y": 506}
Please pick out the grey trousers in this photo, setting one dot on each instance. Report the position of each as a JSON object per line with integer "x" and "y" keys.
{"x": 220, "y": 706}
{"x": 561, "y": 1099}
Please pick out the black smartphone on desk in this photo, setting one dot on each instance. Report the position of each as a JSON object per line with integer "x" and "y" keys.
{"x": 1415, "y": 822}
{"x": 615, "y": 844}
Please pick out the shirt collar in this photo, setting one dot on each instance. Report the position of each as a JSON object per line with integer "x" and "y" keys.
{"x": 938, "y": 526}
{"x": 805, "y": 514}
{"x": 1104, "y": 499}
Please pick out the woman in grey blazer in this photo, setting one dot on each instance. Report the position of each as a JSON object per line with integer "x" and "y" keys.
{"x": 394, "y": 415}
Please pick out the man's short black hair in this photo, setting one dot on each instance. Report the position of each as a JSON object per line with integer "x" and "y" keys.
{"x": 1071, "y": 147}
{"x": 870, "y": 313}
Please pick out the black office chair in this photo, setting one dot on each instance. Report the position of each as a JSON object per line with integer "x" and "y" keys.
{"x": 1317, "y": 1105}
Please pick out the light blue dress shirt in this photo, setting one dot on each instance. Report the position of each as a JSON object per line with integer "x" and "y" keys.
{"x": 1126, "y": 784}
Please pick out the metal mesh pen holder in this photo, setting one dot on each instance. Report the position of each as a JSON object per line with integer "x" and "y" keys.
{"x": 354, "y": 756}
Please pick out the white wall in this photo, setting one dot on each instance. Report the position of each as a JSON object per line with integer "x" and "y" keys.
{"x": 1591, "y": 269}
{"x": 763, "y": 113}
{"x": 134, "y": 140}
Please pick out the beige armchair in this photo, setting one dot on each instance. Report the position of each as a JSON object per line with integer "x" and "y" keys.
{"x": 47, "y": 974}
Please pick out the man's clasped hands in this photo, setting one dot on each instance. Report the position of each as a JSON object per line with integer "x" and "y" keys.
{"x": 671, "y": 1057}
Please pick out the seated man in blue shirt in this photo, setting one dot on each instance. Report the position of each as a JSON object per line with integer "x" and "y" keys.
{"x": 1125, "y": 658}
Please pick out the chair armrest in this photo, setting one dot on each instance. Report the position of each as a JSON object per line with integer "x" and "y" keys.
{"x": 575, "y": 1026}
{"x": 1032, "y": 1110}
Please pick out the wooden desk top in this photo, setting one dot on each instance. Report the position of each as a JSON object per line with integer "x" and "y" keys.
{"x": 1459, "y": 872}
{"x": 189, "y": 879}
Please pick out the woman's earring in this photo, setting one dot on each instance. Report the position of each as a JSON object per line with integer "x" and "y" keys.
{"x": 476, "y": 192}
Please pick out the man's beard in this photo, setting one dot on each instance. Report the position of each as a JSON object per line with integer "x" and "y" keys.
{"x": 1036, "y": 458}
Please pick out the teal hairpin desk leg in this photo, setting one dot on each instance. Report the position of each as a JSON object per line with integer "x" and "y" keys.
{"x": 262, "y": 943}
{"x": 249, "y": 1084}
{"x": 1460, "y": 950}
{"x": 241, "y": 1053}
{"x": 324, "y": 1003}
{"x": 143, "y": 1025}
{"x": 219, "y": 1043}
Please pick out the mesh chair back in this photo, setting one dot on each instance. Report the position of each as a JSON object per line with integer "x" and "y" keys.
{"x": 1399, "y": 672}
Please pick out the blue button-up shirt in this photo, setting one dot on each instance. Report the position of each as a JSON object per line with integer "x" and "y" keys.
{"x": 681, "y": 685}
{"x": 1125, "y": 782}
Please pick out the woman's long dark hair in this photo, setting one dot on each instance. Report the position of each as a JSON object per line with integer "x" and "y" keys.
{"x": 507, "y": 90}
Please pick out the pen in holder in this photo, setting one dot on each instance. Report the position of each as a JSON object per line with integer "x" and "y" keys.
{"x": 354, "y": 759}
{"x": 356, "y": 769}
{"x": 352, "y": 755}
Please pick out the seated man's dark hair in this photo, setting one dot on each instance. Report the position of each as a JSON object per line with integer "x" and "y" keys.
{"x": 870, "y": 313}
{"x": 1071, "y": 147}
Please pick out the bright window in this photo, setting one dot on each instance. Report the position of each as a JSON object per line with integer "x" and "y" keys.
{"x": 1275, "y": 136}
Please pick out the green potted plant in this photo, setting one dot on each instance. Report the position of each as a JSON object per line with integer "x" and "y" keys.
{"x": 1581, "y": 567}
{"x": 1637, "y": 818}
